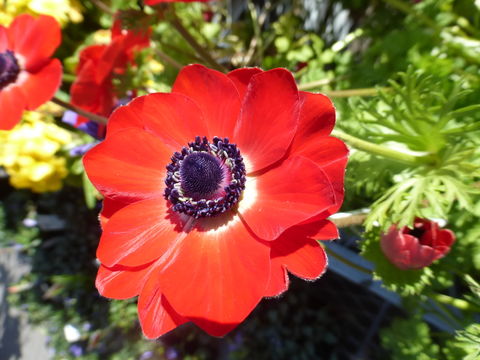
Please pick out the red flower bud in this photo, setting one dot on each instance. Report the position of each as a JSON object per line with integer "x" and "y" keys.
{"x": 418, "y": 247}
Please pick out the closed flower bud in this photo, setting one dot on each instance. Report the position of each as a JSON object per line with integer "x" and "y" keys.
{"x": 416, "y": 248}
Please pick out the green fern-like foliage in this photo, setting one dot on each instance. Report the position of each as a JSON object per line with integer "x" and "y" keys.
{"x": 409, "y": 339}
{"x": 420, "y": 115}
{"x": 466, "y": 345}
{"x": 404, "y": 282}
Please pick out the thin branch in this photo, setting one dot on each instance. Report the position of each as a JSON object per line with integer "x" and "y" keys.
{"x": 315, "y": 84}
{"x": 168, "y": 59}
{"x": 354, "y": 92}
{"x": 355, "y": 219}
{"x": 94, "y": 117}
{"x": 194, "y": 44}
{"x": 383, "y": 151}
{"x": 103, "y": 7}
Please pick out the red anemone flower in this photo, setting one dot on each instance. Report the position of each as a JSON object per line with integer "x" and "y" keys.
{"x": 28, "y": 76}
{"x": 212, "y": 192}
{"x": 418, "y": 247}
{"x": 93, "y": 89}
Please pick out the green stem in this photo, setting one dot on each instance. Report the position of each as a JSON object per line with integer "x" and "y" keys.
{"x": 351, "y": 220}
{"x": 177, "y": 24}
{"x": 314, "y": 84}
{"x": 458, "y": 303}
{"x": 168, "y": 59}
{"x": 68, "y": 78}
{"x": 383, "y": 151}
{"x": 354, "y": 92}
{"x": 463, "y": 130}
{"x": 94, "y": 117}
{"x": 409, "y": 10}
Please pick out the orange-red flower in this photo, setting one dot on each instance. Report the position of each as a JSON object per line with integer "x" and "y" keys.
{"x": 212, "y": 192}
{"x": 418, "y": 247}
{"x": 28, "y": 76}
{"x": 93, "y": 89}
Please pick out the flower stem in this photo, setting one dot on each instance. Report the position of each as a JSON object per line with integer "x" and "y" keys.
{"x": 177, "y": 24}
{"x": 315, "y": 84}
{"x": 168, "y": 59}
{"x": 353, "y": 92}
{"x": 409, "y": 10}
{"x": 103, "y": 7}
{"x": 94, "y": 117}
{"x": 383, "y": 151}
{"x": 68, "y": 77}
{"x": 351, "y": 220}
{"x": 458, "y": 303}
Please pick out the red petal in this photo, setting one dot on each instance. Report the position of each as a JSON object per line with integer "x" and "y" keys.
{"x": 445, "y": 238}
{"x": 328, "y": 231}
{"x": 3, "y": 39}
{"x": 110, "y": 207}
{"x": 91, "y": 53}
{"x": 285, "y": 196}
{"x": 216, "y": 96}
{"x": 218, "y": 274}
{"x": 319, "y": 228}
{"x": 139, "y": 233}
{"x": 317, "y": 118}
{"x": 302, "y": 256}
{"x": 419, "y": 256}
{"x": 156, "y": 315}
{"x": 12, "y": 103}
{"x": 213, "y": 328}
{"x": 34, "y": 38}
{"x": 241, "y": 78}
{"x": 113, "y": 56}
{"x": 268, "y": 119}
{"x": 129, "y": 164}
{"x": 120, "y": 282}
{"x": 278, "y": 282}
{"x": 331, "y": 154}
{"x": 126, "y": 116}
{"x": 41, "y": 86}
{"x": 175, "y": 118}
{"x": 91, "y": 95}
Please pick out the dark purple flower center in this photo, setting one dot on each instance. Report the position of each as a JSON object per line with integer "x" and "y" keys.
{"x": 417, "y": 231}
{"x": 201, "y": 174}
{"x": 205, "y": 179}
{"x": 9, "y": 68}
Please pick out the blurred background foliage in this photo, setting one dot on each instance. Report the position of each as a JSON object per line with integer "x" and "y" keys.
{"x": 405, "y": 79}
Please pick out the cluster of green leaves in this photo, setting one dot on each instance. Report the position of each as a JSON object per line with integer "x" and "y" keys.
{"x": 409, "y": 339}
{"x": 419, "y": 115}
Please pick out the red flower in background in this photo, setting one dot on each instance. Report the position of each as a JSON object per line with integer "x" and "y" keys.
{"x": 212, "y": 193}
{"x": 28, "y": 76}
{"x": 93, "y": 89}
{"x": 418, "y": 247}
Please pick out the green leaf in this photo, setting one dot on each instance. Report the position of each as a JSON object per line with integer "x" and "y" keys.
{"x": 89, "y": 192}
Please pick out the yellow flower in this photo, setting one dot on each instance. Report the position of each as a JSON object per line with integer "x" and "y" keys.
{"x": 29, "y": 153}
{"x": 62, "y": 10}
